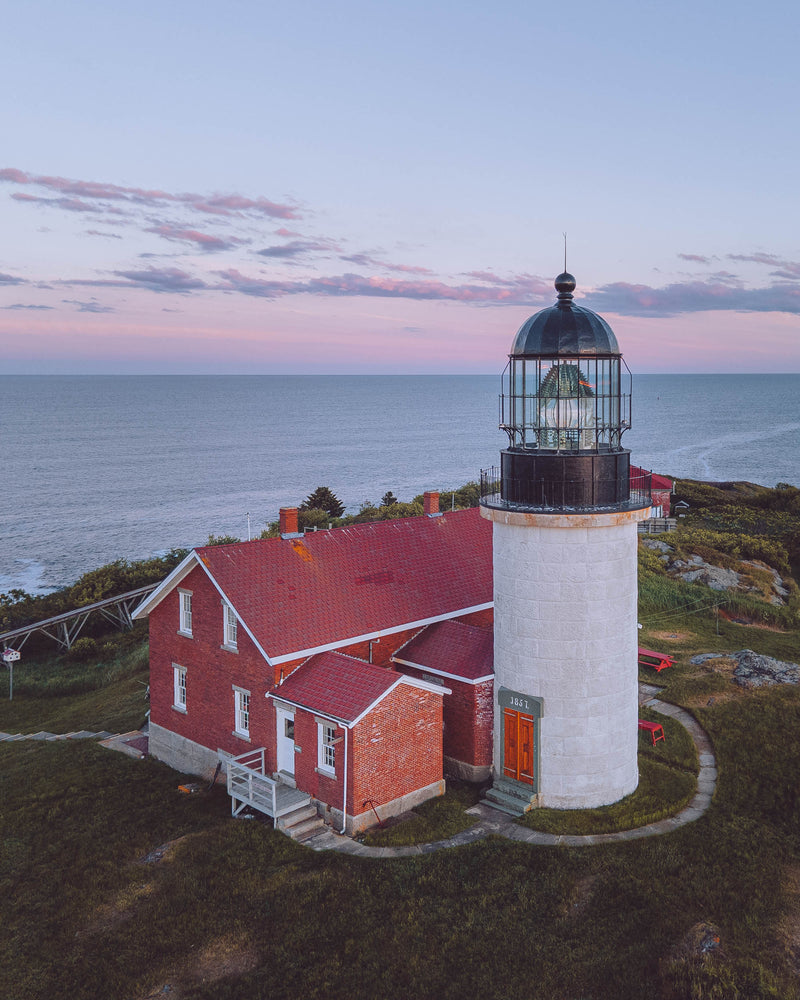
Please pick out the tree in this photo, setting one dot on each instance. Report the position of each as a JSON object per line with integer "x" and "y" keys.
{"x": 325, "y": 499}
{"x": 222, "y": 540}
{"x": 388, "y": 499}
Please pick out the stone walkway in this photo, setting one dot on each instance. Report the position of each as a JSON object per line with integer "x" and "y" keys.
{"x": 82, "y": 734}
{"x": 490, "y": 822}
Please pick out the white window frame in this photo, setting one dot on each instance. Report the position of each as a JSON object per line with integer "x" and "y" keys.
{"x": 178, "y": 687}
{"x": 230, "y": 627}
{"x": 326, "y": 747}
{"x": 241, "y": 713}
{"x": 185, "y": 612}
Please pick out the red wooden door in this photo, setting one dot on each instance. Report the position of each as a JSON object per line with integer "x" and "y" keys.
{"x": 518, "y": 746}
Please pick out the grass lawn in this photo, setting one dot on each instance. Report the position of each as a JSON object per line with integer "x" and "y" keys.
{"x": 436, "y": 819}
{"x": 233, "y": 910}
{"x": 236, "y": 910}
{"x": 60, "y": 696}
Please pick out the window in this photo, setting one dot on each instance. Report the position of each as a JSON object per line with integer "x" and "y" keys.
{"x": 326, "y": 756}
{"x": 179, "y": 687}
{"x": 230, "y": 626}
{"x": 241, "y": 726}
{"x": 185, "y": 623}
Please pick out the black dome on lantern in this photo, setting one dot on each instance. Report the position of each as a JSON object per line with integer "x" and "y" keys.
{"x": 565, "y": 329}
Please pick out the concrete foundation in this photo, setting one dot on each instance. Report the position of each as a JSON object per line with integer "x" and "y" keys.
{"x": 180, "y": 753}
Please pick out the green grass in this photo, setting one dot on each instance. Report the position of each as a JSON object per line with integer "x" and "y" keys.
{"x": 118, "y": 707}
{"x": 436, "y": 819}
{"x": 663, "y": 790}
{"x": 240, "y": 912}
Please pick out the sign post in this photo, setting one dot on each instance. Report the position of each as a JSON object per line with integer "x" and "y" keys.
{"x": 9, "y": 656}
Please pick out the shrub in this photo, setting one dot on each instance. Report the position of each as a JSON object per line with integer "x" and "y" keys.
{"x": 83, "y": 649}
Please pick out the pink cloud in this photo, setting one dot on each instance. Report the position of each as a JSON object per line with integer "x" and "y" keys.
{"x": 68, "y": 204}
{"x": 370, "y": 260}
{"x": 295, "y": 248}
{"x": 216, "y": 204}
{"x": 522, "y": 291}
{"x": 204, "y": 240}
{"x": 691, "y": 297}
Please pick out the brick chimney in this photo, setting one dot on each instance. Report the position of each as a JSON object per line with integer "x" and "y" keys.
{"x": 288, "y": 521}
{"x": 430, "y": 504}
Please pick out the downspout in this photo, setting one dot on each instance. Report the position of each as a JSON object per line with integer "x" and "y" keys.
{"x": 344, "y": 791}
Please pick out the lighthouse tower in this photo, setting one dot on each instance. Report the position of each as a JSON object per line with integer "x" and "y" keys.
{"x": 565, "y": 576}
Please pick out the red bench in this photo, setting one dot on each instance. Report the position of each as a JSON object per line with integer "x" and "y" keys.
{"x": 658, "y": 661}
{"x": 655, "y": 729}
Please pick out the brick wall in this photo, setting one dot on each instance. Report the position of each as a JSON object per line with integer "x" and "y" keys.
{"x": 396, "y": 749}
{"x": 467, "y": 715}
{"x": 211, "y": 672}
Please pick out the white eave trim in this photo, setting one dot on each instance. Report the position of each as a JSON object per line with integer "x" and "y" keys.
{"x": 182, "y": 570}
{"x": 303, "y": 653}
{"x": 239, "y": 618}
{"x": 443, "y": 673}
{"x": 349, "y": 724}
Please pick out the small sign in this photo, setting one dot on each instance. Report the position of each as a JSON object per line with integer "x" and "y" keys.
{"x": 10, "y": 655}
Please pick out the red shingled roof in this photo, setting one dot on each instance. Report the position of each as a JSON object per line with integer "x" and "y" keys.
{"x": 338, "y": 686}
{"x": 452, "y": 649}
{"x": 298, "y": 594}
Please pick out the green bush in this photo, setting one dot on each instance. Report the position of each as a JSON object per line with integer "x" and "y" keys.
{"x": 83, "y": 649}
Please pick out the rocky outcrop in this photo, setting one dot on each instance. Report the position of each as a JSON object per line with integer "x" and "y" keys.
{"x": 754, "y": 670}
{"x": 744, "y": 580}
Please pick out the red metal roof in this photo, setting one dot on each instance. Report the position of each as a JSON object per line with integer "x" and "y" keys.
{"x": 451, "y": 648}
{"x": 336, "y": 685}
{"x": 299, "y": 594}
{"x": 657, "y": 482}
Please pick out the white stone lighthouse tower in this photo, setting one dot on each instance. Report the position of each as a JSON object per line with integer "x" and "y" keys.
{"x": 565, "y": 576}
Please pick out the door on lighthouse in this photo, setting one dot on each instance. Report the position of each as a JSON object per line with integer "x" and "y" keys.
{"x": 518, "y": 746}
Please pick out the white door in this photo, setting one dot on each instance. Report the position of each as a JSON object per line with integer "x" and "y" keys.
{"x": 285, "y": 719}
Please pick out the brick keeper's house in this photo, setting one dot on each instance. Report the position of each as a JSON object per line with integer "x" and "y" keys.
{"x": 347, "y": 670}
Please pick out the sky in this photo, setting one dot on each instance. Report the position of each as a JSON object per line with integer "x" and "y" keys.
{"x": 362, "y": 187}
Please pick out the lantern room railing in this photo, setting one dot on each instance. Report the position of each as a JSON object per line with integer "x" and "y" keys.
{"x": 508, "y": 493}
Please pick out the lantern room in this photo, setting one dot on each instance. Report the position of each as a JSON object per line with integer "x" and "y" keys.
{"x": 565, "y": 404}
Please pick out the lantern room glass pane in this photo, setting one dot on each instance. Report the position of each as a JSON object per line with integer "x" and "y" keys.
{"x": 564, "y": 404}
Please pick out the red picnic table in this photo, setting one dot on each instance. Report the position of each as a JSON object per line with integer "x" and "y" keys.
{"x": 655, "y": 729}
{"x": 658, "y": 661}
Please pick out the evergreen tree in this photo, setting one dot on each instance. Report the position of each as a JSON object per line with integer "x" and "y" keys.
{"x": 388, "y": 499}
{"x": 325, "y": 499}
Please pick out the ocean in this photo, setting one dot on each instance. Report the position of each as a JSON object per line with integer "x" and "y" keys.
{"x": 98, "y": 468}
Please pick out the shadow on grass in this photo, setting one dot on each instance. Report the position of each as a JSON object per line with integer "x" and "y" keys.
{"x": 436, "y": 819}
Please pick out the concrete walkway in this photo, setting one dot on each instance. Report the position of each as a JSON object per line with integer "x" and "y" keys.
{"x": 83, "y": 734}
{"x": 490, "y": 822}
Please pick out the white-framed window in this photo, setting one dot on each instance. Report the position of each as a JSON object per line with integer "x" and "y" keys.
{"x": 185, "y": 619}
{"x": 230, "y": 627}
{"x": 179, "y": 687}
{"x": 326, "y": 747}
{"x": 241, "y": 710}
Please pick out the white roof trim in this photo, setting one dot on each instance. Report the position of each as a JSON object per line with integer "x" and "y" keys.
{"x": 401, "y": 679}
{"x": 239, "y": 618}
{"x": 183, "y": 569}
{"x": 442, "y": 673}
{"x": 288, "y": 657}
